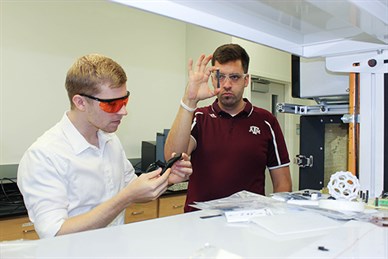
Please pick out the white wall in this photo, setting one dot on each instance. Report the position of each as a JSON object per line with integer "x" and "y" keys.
{"x": 41, "y": 39}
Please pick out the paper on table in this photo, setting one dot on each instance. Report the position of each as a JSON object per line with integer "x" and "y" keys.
{"x": 295, "y": 222}
{"x": 246, "y": 215}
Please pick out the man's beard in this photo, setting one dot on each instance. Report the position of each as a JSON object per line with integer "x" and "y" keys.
{"x": 228, "y": 101}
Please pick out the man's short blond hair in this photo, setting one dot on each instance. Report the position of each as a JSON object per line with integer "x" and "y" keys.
{"x": 90, "y": 72}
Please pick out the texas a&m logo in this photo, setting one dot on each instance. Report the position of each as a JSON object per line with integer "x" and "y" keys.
{"x": 254, "y": 130}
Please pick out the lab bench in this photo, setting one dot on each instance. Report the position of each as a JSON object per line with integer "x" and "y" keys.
{"x": 15, "y": 224}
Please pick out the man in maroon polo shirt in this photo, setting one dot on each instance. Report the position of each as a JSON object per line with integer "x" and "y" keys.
{"x": 230, "y": 142}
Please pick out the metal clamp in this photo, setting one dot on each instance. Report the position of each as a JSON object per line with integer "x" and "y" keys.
{"x": 304, "y": 161}
{"x": 350, "y": 118}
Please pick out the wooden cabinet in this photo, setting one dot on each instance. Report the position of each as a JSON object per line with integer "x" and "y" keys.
{"x": 171, "y": 205}
{"x": 141, "y": 211}
{"x": 166, "y": 205}
{"x": 17, "y": 228}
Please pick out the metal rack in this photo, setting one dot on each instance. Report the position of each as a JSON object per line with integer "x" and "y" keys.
{"x": 322, "y": 109}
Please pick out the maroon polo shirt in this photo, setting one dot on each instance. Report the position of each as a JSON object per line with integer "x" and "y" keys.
{"x": 232, "y": 153}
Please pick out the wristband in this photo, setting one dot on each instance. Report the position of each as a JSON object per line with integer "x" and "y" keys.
{"x": 187, "y": 108}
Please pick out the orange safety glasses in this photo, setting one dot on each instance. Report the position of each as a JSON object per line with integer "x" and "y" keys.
{"x": 110, "y": 105}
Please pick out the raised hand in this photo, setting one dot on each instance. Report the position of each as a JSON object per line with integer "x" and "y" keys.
{"x": 197, "y": 87}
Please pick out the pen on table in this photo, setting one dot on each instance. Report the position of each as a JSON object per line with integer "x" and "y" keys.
{"x": 210, "y": 216}
{"x": 322, "y": 248}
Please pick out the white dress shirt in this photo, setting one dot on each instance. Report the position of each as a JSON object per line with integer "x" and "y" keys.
{"x": 62, "y": 175}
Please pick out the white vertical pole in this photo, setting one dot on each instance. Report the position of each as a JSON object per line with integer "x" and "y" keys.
{"x": 371, "y": 119}
{"x": 371, "y": 157}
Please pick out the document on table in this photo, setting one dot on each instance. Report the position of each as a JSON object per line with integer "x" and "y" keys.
{"x": 295, "y": 222}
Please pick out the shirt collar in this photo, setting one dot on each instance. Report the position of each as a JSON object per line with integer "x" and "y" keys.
{"x": 247, "y": 111}
{"x": 76, "y": 140}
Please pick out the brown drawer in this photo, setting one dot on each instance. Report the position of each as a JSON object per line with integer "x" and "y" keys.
{"x": 141, "y": 211}
{"x": 17, "y": 228}
{"x": 171, "y": 205}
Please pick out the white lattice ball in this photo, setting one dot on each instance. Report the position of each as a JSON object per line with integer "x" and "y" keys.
{"x": 344, "y": 185}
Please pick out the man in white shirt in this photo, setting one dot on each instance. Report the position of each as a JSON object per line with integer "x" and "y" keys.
{"x": 76, "y": 176}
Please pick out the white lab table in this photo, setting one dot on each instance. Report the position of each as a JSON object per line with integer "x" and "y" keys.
{"x": 183, "y": 236}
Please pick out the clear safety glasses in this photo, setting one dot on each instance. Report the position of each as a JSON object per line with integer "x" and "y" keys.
{"x": 233, "y": 78}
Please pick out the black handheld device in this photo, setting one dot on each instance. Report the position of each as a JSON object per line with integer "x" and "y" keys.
{"x": 218, "y": 78}
{"x": 170, "y": 162}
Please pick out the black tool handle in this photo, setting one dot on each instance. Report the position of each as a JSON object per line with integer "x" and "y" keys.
{"x": 170, "y": 162}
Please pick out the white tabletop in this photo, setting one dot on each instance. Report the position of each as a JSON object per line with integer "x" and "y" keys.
{"x": 186, "y": 235}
